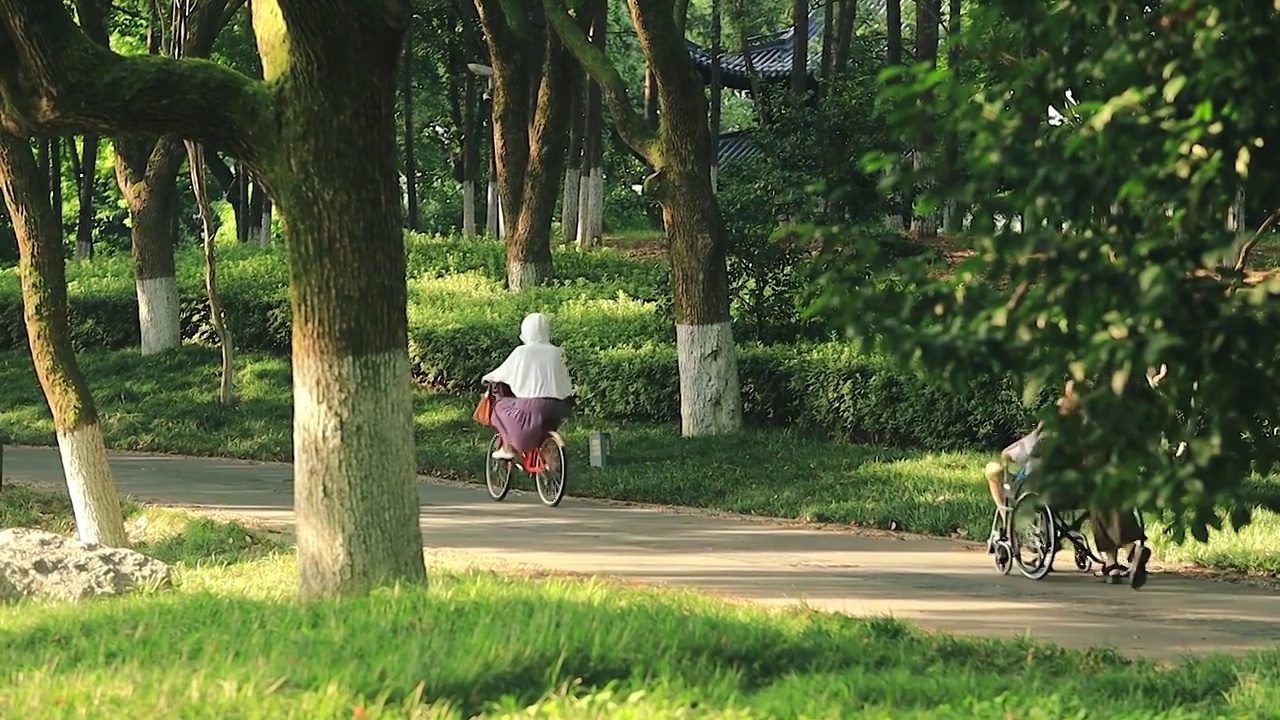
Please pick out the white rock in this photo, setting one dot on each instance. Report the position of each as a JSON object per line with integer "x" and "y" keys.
{"x": 36, "y": 564}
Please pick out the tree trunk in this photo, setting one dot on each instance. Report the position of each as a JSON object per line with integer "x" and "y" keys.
{"x": 928, "y": 17}
{"x": 844, "y": 36}
{"x": 1236, "y": 213}
{"x": 650, "y": 100}
{"x": 334, "y": 176}
{"x": 264, "y": 220}
{"x": 799, "y": 47}
{"x": 355, "y": 491}
{"x": 530, "y": 135}
{"x": 893, "y": 56}
{"x": 86, "y": 176}
{"x": 410, "y": 160}
{"x": 828, "y": 39}
{"x": 470, "y": 157}
{"x": 195, "y": 161}
{"x": 55, "y": 182}
{"x": 493, "y": 209}
{"x": 680, "y": 153}
{"x": 44, "y": 293}
{"x": 591, "y": 186}
{"x": 710, "y": 396}
{"x": 243, "y": 181}
{"x": 893, "y": 20}
{"x": 951, "y": 217}
{"x": 569, "y": 203}
{"x": 146, "y": 172}
{"x": 717, "y": 92}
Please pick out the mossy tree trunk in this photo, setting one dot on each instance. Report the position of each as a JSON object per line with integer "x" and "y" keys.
{"x": 531, "y": 73}
{"x": 147, "y": 173}
{"x": 679, "y": 153}
{"x": 44, "y": 299}
{"x": 333, "y": 176}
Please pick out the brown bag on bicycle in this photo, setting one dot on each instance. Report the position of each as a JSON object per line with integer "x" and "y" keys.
{"x": 483, "y": 413}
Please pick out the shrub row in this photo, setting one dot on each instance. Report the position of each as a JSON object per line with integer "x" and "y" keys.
{"x": 619, "y": 344}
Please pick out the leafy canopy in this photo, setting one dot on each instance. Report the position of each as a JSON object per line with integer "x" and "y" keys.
{"x": 1125, "y": 263}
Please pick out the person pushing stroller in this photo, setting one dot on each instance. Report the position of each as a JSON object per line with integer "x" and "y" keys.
{"x": 1112, "y": 529}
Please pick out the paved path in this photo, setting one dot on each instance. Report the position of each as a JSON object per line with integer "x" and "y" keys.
{"x": 936, "y": 583}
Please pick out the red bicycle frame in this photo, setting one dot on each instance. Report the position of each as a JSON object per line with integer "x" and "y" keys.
{"x": 531, "y": 461}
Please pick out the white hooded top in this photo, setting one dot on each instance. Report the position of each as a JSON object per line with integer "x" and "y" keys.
{"x": 535, "y": 369}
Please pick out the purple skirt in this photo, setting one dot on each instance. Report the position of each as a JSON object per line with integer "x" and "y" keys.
{"x": 523, "y": 422}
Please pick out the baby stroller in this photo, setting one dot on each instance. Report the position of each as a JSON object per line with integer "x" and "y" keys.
{"x": 1033, "y": 532}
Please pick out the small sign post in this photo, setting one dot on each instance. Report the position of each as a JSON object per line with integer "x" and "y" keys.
{"x": 599, "y": 449}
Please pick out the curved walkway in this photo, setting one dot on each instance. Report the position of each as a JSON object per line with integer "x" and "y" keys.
{"x": 936, "y": 583}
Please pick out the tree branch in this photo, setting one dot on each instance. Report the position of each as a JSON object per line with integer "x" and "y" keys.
{"x": 230, "y": 13}
{"x": 1242, "y": 258}
{"x": 54, "y": 80}
{"x": 630, "y": 124}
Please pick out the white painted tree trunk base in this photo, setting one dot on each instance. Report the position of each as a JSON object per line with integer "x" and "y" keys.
{"x": 523, "y": 275}
{"x": 264, "y": 230}
{"x": 91, "y": 487}
{"x": 710, "y": 396}
{"x": 468, "y": 209}
{"x": 158, "y": 317}
{"x": 591, "y": 211}
{"x": 354, "y": 460}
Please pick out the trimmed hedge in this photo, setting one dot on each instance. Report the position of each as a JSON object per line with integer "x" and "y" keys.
{"x": 617, "y": 338}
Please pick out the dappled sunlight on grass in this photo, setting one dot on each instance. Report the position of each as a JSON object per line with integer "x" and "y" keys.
{"x": 232, "y": 639}
{"x": 1254, "y": 549}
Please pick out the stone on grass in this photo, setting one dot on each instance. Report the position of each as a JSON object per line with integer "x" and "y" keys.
{"x": 35, "y": 564}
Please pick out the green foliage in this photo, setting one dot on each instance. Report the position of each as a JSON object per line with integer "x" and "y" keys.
{"x": 624, "y": 364}
{"x": 802, "y": 175}
{"x": 1115, "y": 272}
{"x": 624, "y": 208}
{"x": 615, "y": 332}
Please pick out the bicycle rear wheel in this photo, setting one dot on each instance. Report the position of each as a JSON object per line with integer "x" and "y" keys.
{"x": 497, "y": 473}
{"x": 554, "y": 476}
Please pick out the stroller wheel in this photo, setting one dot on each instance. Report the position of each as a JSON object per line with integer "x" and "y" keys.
{"x": 1084, "y": 563}
{"x": 1003, "y": 554}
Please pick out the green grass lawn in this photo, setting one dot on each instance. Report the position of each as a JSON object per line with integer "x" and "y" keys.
{"x": 169, "y": 404}
{"x": 230, "y": 640}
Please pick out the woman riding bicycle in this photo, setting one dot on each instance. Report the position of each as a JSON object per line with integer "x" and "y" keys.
{"x": 532, "y": 385}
